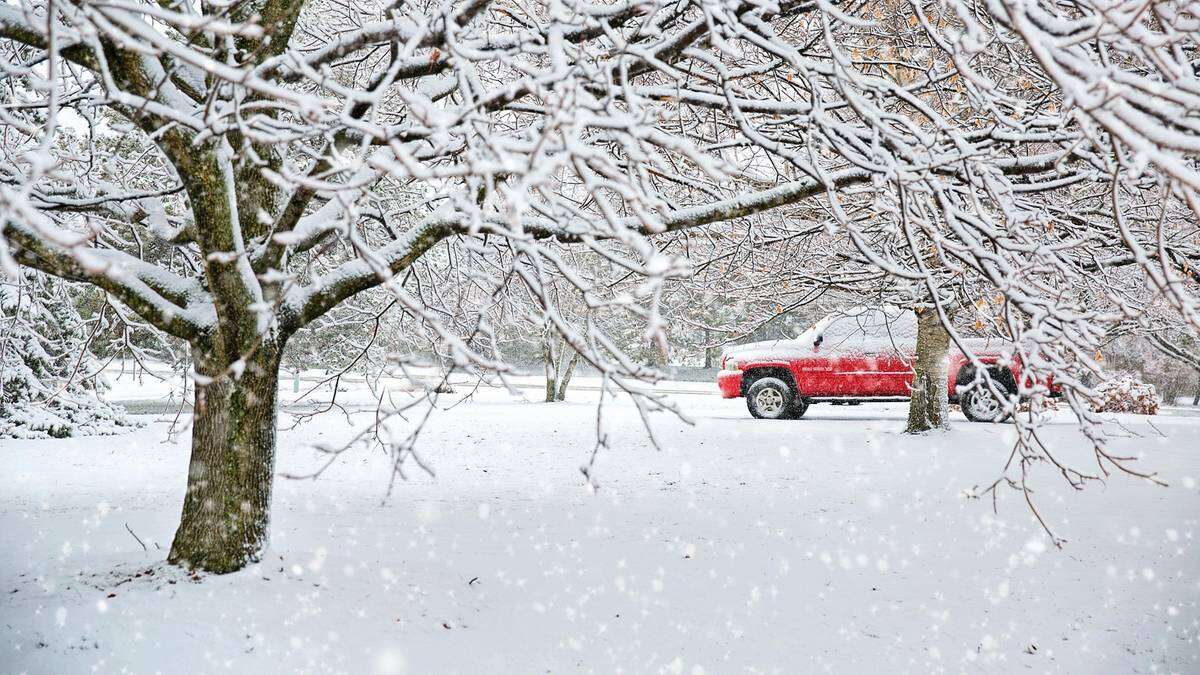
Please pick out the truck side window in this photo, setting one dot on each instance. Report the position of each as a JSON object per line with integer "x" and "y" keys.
{"x": 869, "y": 331}
{"x": 844, "y": 334}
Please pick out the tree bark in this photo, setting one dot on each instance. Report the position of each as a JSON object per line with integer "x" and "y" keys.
{"x": 929, "y": 407}
{"x": 564, "y": 376}
{"x": 550, "y": 364}
{"x": 226, "y": 510}
{"x": 558, "y": 367}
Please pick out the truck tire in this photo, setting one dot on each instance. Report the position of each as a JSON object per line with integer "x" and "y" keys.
{"x": 799, "y": 407}
{"x": 979, "y": 403}
{"x": 770, "y": 398}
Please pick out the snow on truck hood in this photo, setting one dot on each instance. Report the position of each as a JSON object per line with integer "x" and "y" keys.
{"x": 769, "y": 349}
{"x": 783, "y": 348}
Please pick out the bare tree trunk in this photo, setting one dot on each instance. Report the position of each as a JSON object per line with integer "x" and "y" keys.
{"x": 930, "y": 404}
{"x": 226, "y": 511}
{"x": 564, "y": 376}
{"x": 550, "y": 361}
{"x": 558, "y": 367}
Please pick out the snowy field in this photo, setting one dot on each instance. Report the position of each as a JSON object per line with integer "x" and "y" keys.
{"x": 831, "y": 543}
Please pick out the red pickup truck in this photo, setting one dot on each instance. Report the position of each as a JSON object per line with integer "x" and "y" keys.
{"x": 863, "y": 354}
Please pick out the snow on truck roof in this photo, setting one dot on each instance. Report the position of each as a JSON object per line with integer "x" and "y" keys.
{"x": 856, "y": 329}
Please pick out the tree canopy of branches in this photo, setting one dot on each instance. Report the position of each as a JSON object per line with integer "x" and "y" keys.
{"x": 231, "y": 172}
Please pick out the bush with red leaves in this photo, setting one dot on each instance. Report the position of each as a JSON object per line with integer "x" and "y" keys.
{"x": 1126, "y": 395}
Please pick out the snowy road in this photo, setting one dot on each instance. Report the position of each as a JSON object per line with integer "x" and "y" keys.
{"x": 831, "y": 543}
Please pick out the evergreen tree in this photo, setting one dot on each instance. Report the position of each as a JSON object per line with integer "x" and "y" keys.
{"x": 49, "y": 385}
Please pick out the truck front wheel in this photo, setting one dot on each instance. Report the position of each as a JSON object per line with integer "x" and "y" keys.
{"x": 770, "y": 398}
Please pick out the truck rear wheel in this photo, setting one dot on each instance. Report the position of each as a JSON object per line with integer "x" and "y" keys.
{"x": 980, "y": 404}
{"x": 770, "y": 398}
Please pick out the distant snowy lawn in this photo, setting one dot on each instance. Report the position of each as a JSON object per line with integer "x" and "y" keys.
{"x": 833, "y": 542}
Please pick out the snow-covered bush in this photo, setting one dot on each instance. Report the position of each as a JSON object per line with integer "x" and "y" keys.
{"x": 85, "y": 415}
{"x": 48, "y": 387}
{"x": 1126, "y": 394}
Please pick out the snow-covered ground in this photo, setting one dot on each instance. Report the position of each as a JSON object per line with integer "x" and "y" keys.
{"x": 831, "y": 543}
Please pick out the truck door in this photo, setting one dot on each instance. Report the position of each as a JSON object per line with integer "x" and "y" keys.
{"x": 852, "y": 367}
{"x": 870, "y": 352}
{"x": 895, "y": 351}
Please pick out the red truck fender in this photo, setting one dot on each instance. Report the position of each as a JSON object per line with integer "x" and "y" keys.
{"x": 756, "y": 369}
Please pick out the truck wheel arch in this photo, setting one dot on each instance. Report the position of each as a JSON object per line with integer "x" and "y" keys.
{"x": 758, "y": 372}
{"x": 966, "y": 374}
